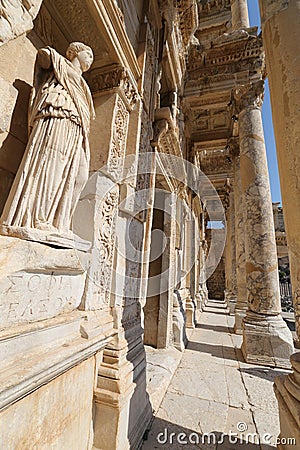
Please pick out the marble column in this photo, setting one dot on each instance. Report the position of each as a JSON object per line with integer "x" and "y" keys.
{"x": 233, "y": 299}
{"x": 202, "y": 276}
{"x": 280, "y": 28}
{"x": 190, "y": 305}
{"x": 239, "y": 14}
{"x": 230, "y": 259}
{"x": 241, "y": 305}
{"x": 266, "y": 337}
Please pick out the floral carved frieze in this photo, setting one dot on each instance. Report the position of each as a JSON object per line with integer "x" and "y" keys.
{"x": 117, "y": 150}
{"x": 106, "y": 240}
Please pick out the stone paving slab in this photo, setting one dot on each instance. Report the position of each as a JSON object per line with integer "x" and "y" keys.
{"x": 161, "y": 365}
{"x": 216, "y": 401}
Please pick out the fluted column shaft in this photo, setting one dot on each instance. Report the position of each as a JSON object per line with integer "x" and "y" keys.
{"x": 264, "y": 329}
{"x": 239, "y": 14}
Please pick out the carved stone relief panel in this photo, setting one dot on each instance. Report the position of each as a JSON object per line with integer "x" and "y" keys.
{"x": 96, "y": 216}
{"x": 106, "y": 225}
{"x": 117, "y": 149}
{"x": 150, "y": 69}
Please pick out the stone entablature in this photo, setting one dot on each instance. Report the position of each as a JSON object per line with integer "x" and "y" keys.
{"x": 188, "y": 19}
{"x": 212, "y": 7}
{"x": 231, "y": 53}
{"x": 214, "y": 158}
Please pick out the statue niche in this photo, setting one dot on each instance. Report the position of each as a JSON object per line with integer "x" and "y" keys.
{"x": 55, "y": 165}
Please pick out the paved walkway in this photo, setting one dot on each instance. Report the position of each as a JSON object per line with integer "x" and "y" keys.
{"x": 214, "y": 391}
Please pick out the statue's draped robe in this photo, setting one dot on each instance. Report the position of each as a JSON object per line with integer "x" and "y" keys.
{"x": 55, "y": 165}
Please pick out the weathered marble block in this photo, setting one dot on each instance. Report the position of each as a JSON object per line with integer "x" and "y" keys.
{"x": 9, "y": 96}
{"x": 38, "y": 281}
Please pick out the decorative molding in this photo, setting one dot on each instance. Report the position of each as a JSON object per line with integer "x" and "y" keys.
{"x": 116, "y": 78}
{"x": 212, "y": 7}
{"x": 229, "y": 57}
{"x": 72, "y": 18}
{"x": 188, "y": 19}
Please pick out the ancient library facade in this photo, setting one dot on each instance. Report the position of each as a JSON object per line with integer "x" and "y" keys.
{"x": 135, "y": 205}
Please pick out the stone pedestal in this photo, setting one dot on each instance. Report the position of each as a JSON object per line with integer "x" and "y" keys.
{"x": 122, "y": 407}
{"x": 263, "y": 296}
{"x": 49, "y": 351}
{"x": 267, "y": 340}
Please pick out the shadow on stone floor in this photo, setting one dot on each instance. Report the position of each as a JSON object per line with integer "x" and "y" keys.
{"x": 218, "y": 351}
{"x": 222, "y": 312}
{"x": 265, "y": 373}
{"x": 167, "y": 435}
{"x": 218, "y": 328}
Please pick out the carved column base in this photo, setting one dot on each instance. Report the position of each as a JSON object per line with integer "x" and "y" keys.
{"x": 239, "y": 314}
{"x": 266, "y": 340}
{"x": 230, "y": 300}
{"x": 287, "y": 390}
{"x": 122, "y": 410}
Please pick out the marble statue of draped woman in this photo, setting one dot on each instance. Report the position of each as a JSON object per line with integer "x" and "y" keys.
{"x": 55, "y": 165}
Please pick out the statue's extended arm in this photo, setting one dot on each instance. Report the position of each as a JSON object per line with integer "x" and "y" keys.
{"x": 44, "y": 58}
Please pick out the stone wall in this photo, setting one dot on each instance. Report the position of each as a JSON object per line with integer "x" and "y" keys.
{"x": 216, "y": 283}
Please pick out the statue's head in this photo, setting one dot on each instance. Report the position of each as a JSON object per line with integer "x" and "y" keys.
{"x": 82, "y": 52}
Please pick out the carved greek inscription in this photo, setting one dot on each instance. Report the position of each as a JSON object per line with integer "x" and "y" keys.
{"x": 31, "y": 296}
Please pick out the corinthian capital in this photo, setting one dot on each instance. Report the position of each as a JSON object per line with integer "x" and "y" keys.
{"x": 118, "y": 78}
{"x": 248, "y": 96}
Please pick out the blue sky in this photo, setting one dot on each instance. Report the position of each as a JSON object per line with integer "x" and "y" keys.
{"x": 267, "y": 117}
